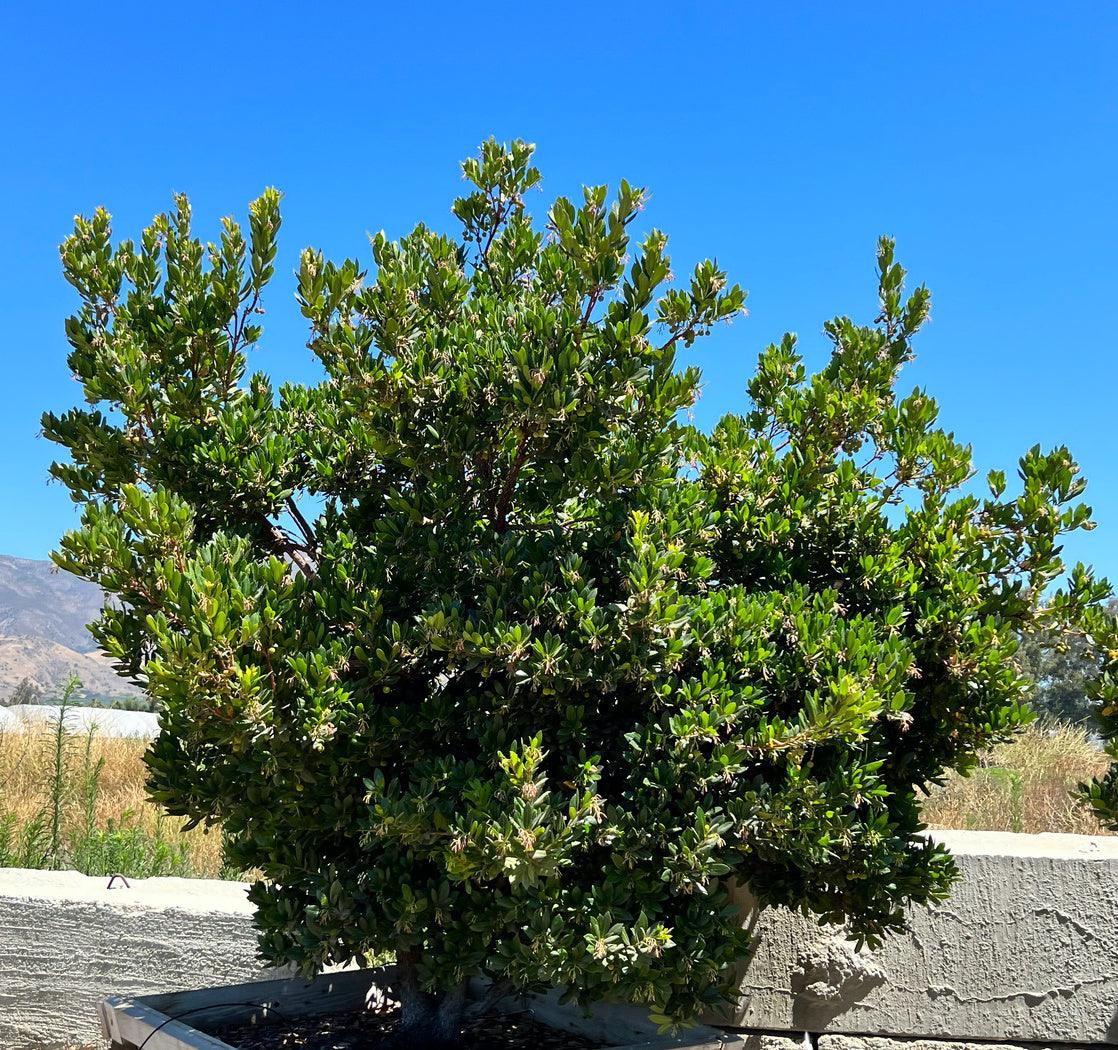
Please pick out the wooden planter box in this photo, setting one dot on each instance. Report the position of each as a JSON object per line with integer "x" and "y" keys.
{"x": 167, "y": 1021}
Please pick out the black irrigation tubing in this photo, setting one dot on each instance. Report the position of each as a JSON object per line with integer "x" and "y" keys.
{"x": 211, "y": 1006}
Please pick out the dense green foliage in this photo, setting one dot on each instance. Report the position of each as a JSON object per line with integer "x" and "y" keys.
{"x": 1100, "y": 632}
{"x": 550, "y": 663}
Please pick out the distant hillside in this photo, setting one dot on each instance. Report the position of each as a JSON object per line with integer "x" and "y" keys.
{"x": 39, "y": 601}
{"x": 43, "y": 637}
{"x": 46, "y": 665}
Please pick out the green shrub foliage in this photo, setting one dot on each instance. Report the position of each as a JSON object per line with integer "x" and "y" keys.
{"x": 545, "y": 664}
{"x": 1100, "y": 630}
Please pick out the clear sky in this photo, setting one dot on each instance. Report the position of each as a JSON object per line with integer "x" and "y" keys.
{"x": 781, "y": 138}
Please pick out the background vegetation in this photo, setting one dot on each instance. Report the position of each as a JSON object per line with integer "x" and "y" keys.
{"x": 28, "y": 692}
{"x": 78, "y": 801}
{"x": 1062, "y": 668}
{"x": 1025, "y": 785}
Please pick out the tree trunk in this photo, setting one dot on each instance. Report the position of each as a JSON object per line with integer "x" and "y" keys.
{"x": 428, "y": 1020}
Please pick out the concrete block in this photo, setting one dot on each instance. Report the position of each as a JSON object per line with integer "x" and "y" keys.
{"x": 765, "y": 1041}
{"x": 1025, "y": 950}
{"x": 877, "y": 1042}
{"x": 66, "y": 942}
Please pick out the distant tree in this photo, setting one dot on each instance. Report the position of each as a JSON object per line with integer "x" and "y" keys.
{"x": 130, "y": 703}
{"x": 27, "y": 692}
{"x": 1064, "y": 667}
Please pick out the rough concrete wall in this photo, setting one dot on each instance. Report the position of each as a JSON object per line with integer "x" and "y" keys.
{"x": 1026, "y": 950}
{"x": 763, "y": 1041}
{"x": 875, "y": 1042}
{"x": 66, "y": 941}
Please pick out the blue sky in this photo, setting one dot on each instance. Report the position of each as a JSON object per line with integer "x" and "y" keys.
{"x": 780, "y": 138}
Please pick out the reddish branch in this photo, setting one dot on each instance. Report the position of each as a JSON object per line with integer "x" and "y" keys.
{"x": 304, "y": 526}
{"x": 504, "y": 500}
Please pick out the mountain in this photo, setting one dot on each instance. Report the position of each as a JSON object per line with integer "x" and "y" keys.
{"x": 38, "y": 600}
{"x": 43, "y": 637}
{"x": 46, "y": 665}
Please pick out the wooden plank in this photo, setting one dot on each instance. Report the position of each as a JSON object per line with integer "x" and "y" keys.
{"x": 132, "y": 1024}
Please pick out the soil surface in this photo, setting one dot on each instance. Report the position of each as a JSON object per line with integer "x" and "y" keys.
{"x": 370, "y": 1029}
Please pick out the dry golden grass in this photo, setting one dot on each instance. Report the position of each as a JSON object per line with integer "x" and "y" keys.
{"x": 1024, "y": 786}
{"x": 26, "y": 765}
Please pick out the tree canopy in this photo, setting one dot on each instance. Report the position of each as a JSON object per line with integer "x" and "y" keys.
{"x": 549, "y": 663}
